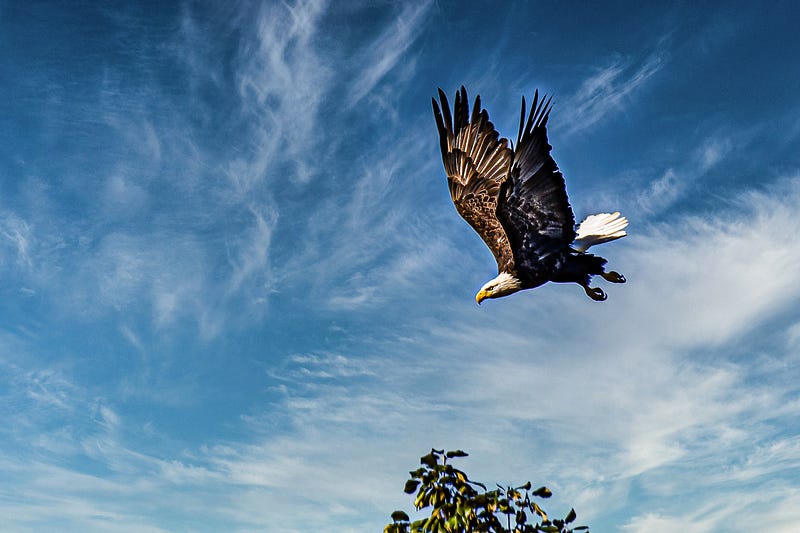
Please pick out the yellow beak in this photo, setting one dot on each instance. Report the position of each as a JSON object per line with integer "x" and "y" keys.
{"x": 481, "y": 296}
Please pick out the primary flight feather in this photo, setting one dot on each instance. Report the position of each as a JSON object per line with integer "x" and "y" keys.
{"x": 515, "y": 198}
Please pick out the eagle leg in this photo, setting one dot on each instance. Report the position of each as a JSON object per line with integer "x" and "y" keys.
{"x": 595, "y": 294}
{"x": 613, "y": 277}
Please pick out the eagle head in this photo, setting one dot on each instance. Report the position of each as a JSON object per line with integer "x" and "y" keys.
{"x": 503, "y": 285}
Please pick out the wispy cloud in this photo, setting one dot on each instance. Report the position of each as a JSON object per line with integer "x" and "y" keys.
{"x": 16, "y": 235}
{"x": 359, "y": 254}
{"x": 610, "y": 89}
{"x": 251, "y": 264}
{"x": 776, "y": 510}
{"x": 175, "y": 215}
{"x": 663, "y": 192}
{"x": 382, "y": 55}
{"x": 282, "y": 80}
{"x": 207, "y": 257}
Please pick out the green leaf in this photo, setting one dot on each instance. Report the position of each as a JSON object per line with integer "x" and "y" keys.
{"x": 538, "y": 510}
{"x": 411, "y": 486}
{"x": 421, "y": 500}
{"x": 429, "y": 460}
{"x": 542, "y": 492}
{"x": 431, "y": 523}
{"x": 400, "y": 516}
{"x": 571, "y": 516}
{"x": 457, "y": 453}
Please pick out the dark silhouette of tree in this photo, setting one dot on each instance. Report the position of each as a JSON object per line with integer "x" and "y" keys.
{"x": 460, "y": 505}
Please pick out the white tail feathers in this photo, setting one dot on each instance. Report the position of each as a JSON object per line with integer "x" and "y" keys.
{"x": 600, "y": 228}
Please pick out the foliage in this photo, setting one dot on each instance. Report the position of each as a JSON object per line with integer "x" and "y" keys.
{"x": 459, "y": 505}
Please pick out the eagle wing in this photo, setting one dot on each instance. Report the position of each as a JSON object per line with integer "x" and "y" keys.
{"x": 533, "y": 206}
{"x": 476, "y": 162}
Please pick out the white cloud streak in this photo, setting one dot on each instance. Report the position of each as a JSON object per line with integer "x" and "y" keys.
{"x": 16, "y": 235}
{"x": 609, "y": 89}
{"x": 674, "y": 184}
{"x": 383, "y": 55}
{"x": 282, "y": 82}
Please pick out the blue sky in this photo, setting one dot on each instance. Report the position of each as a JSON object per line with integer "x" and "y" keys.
{"x": 236, "y": 295}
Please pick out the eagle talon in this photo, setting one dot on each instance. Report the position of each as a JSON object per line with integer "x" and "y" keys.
{"x": 597, "y": 294}
{"x": 613, "y": 277}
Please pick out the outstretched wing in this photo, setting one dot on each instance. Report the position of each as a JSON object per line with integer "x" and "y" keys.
{"x": 476, "y": 162}
{"x": 533, "y": 206}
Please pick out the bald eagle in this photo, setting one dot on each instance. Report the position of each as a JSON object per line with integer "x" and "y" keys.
{"x": 515, "y": 198}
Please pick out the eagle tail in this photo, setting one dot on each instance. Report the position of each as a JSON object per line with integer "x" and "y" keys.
{"x": 600, "y": 228}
